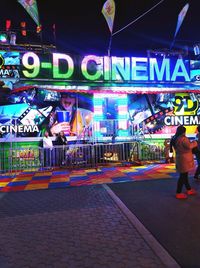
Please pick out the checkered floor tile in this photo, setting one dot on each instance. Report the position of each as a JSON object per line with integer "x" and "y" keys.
{"x": 65, "y": 178}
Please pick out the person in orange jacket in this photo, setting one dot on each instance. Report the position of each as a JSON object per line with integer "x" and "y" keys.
{"x": 197, "y": 154}
{"x": 184, "y": 161}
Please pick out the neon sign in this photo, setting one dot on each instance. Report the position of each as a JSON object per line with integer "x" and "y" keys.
{"x": 185, "y": 111}
{"x": 18, "y": 128}
{"x": 94, "y": 68}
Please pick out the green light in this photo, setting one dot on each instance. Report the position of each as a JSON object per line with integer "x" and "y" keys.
{"x": 3, "y": 38}
{"x": 46, "y": 65}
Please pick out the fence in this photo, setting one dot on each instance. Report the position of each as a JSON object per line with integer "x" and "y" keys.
{"x": 76, "y": 156}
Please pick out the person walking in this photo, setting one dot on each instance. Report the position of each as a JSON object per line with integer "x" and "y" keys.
{"x": 197, "y": 154}
{"x": 184, "y": 161}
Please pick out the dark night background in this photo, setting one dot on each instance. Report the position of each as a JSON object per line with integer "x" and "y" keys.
{"x": 81, "y": 27}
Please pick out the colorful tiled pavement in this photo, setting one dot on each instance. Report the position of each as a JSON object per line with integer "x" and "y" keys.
{"x": 64, "y": 178}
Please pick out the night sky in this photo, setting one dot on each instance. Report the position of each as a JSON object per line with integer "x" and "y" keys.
{"x": 81, "y": 28}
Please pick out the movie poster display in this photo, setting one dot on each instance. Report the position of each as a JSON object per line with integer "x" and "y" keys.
{"x": 161, "y": 113}
{"x": 31, "y": 112}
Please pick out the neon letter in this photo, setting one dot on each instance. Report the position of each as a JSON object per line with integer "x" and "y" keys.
{"x": 139, "y": 69}
{"x": 34, "y": 66}
{"x": 120, "y": 68}
{"x": 96, "y": 70}
{"x": 56, "y": 70}
{"x": 153, "y": 68}
{"x": 183, "y": 72}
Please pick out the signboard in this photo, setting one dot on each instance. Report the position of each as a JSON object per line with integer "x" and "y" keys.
{"x": 16, "y": 67}
{"x": 31, "y": 111}
{"x": 94, "y": 68}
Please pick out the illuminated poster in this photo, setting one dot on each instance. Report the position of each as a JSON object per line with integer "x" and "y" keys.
{"x": 195, "y": 71}
{"x": 9, "y": 69}
{"x": 110, "y": 116}
{"x": 72, "y": 114}
{"x": 162, "y": 113}
{"x": 31, "y": 112}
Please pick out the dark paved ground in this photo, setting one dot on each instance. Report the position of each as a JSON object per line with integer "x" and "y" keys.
{"x": 174, "y": 223}
{"x": 70, "y": 228}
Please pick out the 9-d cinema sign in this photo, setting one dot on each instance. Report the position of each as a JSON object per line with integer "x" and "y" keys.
{"x": 94, "y": 68}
